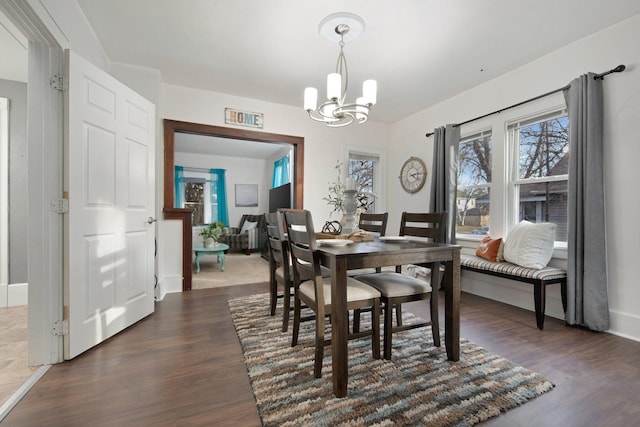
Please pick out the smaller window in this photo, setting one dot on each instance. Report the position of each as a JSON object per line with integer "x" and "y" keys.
{"x": 194, "y": 199}
{"x": 474, "y": 185}
{"x": 363, "y": 168}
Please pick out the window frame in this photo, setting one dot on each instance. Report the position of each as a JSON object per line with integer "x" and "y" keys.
{"x": 503, "y": 214}
{"x": 470, "y": 136}
{"x": 379, "y": 173}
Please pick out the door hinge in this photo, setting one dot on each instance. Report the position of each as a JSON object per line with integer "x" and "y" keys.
{"x": 60, "y": 327}
{"x": 59, "y": 82}
{"x": 60, "y": 206}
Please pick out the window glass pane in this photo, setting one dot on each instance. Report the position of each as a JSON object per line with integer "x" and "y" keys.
{"x": 544, "y": 148}
{"x": 474, "y": 177}
{"x": 194, "y": 199}
{"x": 545, "y": 202}
{"x": 544, "y": 152}
{"x": 362, "y": 169}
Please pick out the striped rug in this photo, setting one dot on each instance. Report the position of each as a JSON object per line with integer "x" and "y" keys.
{"x": 418, "y": 387}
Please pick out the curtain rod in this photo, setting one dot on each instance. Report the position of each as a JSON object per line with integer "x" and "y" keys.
{"x": 618, "y": 69}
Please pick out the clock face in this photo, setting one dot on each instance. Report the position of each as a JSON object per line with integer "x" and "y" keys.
{"x": 413, "y": 175}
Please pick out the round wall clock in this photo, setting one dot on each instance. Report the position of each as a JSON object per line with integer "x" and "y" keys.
{"x": 413, "y": 175}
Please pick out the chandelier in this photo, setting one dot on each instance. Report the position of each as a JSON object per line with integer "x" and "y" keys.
{"x": 335, "y": 112}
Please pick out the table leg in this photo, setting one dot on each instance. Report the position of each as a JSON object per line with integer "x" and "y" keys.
{"x": 339, "y": 326}
{"x": 221, "y": 260}
{"x": 452, "y": 307}
{"x": 198, "y": 256}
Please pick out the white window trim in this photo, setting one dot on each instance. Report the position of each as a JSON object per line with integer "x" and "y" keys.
{"x": 503, "y": 215}
{"x": 379, "y": 175}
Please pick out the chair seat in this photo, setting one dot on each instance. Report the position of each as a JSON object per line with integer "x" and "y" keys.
{"x": 393, "y": 285}
{"x": 356, "y": 291}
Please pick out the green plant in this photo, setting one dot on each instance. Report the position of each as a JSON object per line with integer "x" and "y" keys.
{"x": 213, "y": 231}
{"x": 335, "y": 199}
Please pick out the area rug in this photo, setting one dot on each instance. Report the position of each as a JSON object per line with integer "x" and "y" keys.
{"x": 239, "y": 269}
{"x": 418, "y": 387}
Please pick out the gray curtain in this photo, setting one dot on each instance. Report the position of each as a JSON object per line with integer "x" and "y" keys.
{"x": 587, "y": 282}
{"x": 444, "y": 175}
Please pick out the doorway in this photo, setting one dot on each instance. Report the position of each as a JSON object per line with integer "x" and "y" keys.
{"x": 171, "y": 127}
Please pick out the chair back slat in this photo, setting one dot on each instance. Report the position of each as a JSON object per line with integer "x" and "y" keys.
{"x": 302, "y": 244}
{"x": 276, "y": 243}
{"x": 426, "y": 225}
{"x": 374, "y": 223}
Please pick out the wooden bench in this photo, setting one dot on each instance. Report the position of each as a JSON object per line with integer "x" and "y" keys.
{"x": 538, "y": 278}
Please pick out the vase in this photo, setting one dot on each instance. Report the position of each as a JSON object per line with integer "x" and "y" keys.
{"x": 209, "y": 243}
{"x": 350, "y": 205}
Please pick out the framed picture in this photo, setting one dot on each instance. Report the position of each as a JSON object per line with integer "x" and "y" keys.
{"x": 246, "y": 195}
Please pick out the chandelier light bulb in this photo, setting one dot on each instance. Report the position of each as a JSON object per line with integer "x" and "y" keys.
{"x": 334, "y": 86}
{"x": 369, "y": 91}
{"x": 310, "y": 98}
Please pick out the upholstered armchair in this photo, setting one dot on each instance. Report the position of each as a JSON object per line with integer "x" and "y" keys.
{"x": 249, "y": 235}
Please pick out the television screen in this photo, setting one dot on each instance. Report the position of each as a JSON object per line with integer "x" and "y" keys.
{"x": 280, "y": 197}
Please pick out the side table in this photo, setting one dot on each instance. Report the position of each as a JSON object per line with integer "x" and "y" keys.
{"x": 218, "y": 249}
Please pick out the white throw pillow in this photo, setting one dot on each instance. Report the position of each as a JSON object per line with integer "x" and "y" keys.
{"x": 530, "y": 244}
{"x": 248, "y": 225}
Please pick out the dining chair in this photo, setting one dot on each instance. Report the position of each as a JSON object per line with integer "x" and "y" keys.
{"x": 315, "y": 291}
{"x": 279, "y": 266}
{"x": 373, "y": 222}
{"x": 397, "y": 288}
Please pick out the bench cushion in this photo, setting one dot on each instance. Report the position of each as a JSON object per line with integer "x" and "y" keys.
{"x": 546, "y": 273}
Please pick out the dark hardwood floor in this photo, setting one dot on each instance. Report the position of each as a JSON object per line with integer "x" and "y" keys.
{"x": 183, "y": 366}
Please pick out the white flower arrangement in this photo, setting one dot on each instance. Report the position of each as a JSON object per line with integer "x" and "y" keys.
{"x": 335, "y": 199}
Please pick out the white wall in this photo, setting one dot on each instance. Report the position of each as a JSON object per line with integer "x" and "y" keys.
{"x": 323, "y": 146}
{"x": 598, "y": 52}
{"x": 239, "y": 171}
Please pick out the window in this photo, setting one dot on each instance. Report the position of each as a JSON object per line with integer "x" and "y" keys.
{"x": 540, "y": 153}
{"x": 364, "y": 169}
{"x": 194, "y": 186}
{"x": 474, "y": 184}
{"x": 194, "y": 199}
{"x": 514, "y": 166}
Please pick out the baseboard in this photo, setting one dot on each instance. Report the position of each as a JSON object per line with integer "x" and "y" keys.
{"x": 625, "y": 325}
{"x": 18, "y": 294}
{"x": 168, "y": 285}
{"x": 14, "y": 294}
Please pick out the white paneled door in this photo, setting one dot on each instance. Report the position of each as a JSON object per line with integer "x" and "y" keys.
{"x": 110, "y": 180}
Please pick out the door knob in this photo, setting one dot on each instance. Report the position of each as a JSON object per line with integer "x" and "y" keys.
{"x": 151, "y": 220}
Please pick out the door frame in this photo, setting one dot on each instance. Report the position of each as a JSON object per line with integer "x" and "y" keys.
{"x": 171, "y": 127}
{"x": 45, "y": 239}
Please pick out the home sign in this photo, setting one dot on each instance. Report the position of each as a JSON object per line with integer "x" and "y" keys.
{"x": 243, "y": 118}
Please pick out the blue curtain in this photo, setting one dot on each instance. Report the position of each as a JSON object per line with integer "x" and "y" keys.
{"x": 179, "y": 187}
{"x": 219, "y": 209}
{"x": 280, "y": 172}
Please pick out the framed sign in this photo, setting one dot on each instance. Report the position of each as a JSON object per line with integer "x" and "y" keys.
{"x": 246, "y": 195}
{"x": 243, "y": 118}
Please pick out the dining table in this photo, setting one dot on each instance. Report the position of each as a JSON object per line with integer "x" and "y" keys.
{"x": 384, "y": 253}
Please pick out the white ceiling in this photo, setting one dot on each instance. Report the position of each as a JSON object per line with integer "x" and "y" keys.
{"x": 420, "y": 51}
